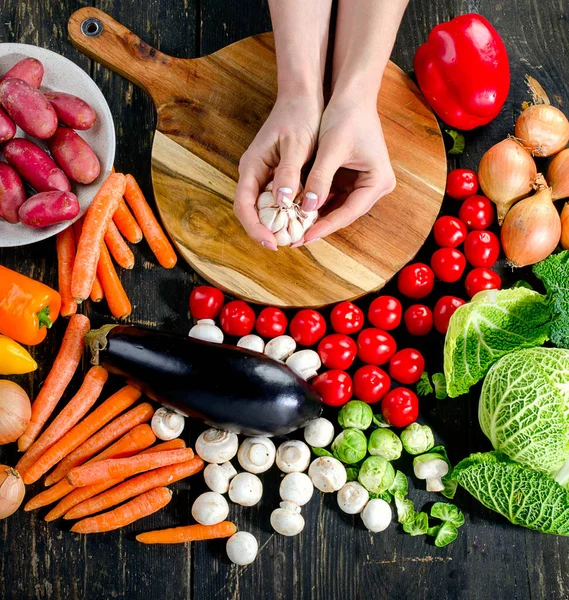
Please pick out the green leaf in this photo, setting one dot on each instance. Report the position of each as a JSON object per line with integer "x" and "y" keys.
{"x": 433, "y": 530}
{"x": 400, "y": 486}
{"x": 385, "y": 496}
{"x": 424, "y": 387}
{"x": 446, "y": 534}
{"x": 380, "y": 421}
{"x": 522, "y": 284}
{"x": 419, "y": 525}
{"x": 459, "y": 143}
{"x": 352, "y": 473}
{"x": 405, "y": 509}
{"x": 322, "y": 452}
{"x": 440, "y": 384}
{"x": 447, "y": 512}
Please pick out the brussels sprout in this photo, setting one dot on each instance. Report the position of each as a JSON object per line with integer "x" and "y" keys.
{"x": 384, "y": 443}
{"x": 376, "y": 474}
{"x": 417, "y": 439}
{"x": 350, "y": 446}
{"x": 355, "y": 415}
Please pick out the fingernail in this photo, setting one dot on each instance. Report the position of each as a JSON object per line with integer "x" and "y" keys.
{"x": 297, "y": 244}
{"x": 269, "y": 246}
{"x": 284, "y": 193}
{"x": 310, "y": 202}
{"x": 312, "y": 241}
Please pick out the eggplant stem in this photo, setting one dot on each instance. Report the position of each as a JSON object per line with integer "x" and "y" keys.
{"x": 96, "y": 340}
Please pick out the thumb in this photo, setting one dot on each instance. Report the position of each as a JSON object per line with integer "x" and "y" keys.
{"x": 328, "y": 160}
{"x": 286, "y": 180}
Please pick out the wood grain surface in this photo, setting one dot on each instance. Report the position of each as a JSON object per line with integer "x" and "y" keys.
{"x": 334, "y": 558}
{"x": 209, "y": 111}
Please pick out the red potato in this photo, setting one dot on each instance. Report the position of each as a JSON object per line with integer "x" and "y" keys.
{"x": 7, "y": 127}
{"x": 49, "y": 208}
{"x": 12, "y": 193}
{"x": 28, "y": 108}
{"x": 72, "y": 111}
{"x": 35, "y": 166}
{"x": 29, "y": 70}
{"x": 74, "y": 155}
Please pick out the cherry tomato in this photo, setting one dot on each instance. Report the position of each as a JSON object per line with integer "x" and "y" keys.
{"x": 444, "y": 309}
{"x": 307, "y": 327}
{"x": 205, "y": 302}
{"x": 385, "y": 312}
{"x": 237, "y": 318}
{"x": 418, "y": 319}
{"x": 346, "y": 317}
{"x": 448, "y": 264}
{"x": 375, "y": 346}
{"x": 477, "y": 212}
{"x": 416, "y": 280}
{"x": 334, "y": 386}
{"x": 482, "y": 279}
{"x": 407, "y": 366}
{"x": 482, "y": 248}
{"x": 461, "y": 184}
{"x": 271, "y": 322}
{"x": 449, "y": 232}
{"x": 400, "y": 407}
{"x": 337, "y": 351}
{"x": 371, "y": 383}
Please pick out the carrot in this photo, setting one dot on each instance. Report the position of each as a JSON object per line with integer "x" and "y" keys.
{"x": 189, "y": 533}
{"x": 118, "y": 301}
{"x": 65, "y": 246}
{"x": 62, "y": 371}
{"x": 96, "y": 290}
{"x": 170, "y": 445}
{"x": 117, "y": 247}
{"x": 141, "y": 506}
{"x": 90, "y": 446}
{"x": 109, "y": 409}
{"x": 138, "y": 438}
{"x": 95, "y": 225}
{"x": 116, "y": 468}
{"x": 74, "y": 410}
{"x": 127, "y": 224}
{"x": 135, "y": 486}
{"x": 153, "y": 232}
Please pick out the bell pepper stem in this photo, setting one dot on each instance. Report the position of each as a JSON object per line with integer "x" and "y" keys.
{"x": 44, "y": 318}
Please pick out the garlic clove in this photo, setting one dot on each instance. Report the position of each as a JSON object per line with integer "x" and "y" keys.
{"x": 309, "y": 218}
{"x": 283, "y": 237}
{"x": 268, "y": 216}
{"x": 266, "y": 200}
{"x": 295, "y": 228}
{"x": 269, "y": 186}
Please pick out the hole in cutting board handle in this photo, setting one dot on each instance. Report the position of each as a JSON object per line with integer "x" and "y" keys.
{"x": 91, "y": 27}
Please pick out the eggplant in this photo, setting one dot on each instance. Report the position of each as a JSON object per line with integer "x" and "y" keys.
{"x": 229, "y": 388}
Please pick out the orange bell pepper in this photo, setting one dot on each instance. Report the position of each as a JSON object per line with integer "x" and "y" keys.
{"x": 28, "y": 308}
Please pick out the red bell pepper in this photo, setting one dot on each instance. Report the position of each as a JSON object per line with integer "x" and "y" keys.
{"x": 464, "y": 72}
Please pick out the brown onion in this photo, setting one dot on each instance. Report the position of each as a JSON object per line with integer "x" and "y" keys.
{"x": 12, "y": 491}
{"x": 506, "y": 173}
{"x": 558, "y": 175}
{"x": 565, "y": 227}
{"x": 542, "y": 129}
{"x": 531, "y": 229}
{"x": 15, "y": 411}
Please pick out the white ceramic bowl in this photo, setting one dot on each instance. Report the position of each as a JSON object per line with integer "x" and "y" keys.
{"x": 62, "y": 75}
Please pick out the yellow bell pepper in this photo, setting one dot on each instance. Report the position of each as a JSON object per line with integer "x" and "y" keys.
{"x": 14, "y": 360}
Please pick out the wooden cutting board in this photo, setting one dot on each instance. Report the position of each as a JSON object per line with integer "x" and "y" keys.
{"x": 209, "y": 110}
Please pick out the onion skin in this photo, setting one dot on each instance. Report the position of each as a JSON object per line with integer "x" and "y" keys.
{"x": 507, "y": 173}
{"x": 12, "y": 491}
{"x": 558, "y": 175}
{"x": 542, "y": 129}
{"x": 531, "y": 229}
{"x": 15, "y": 411}
{"x": 565, "y": 227}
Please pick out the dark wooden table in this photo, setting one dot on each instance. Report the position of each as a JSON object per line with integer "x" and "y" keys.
{"x": 335, "y": 557}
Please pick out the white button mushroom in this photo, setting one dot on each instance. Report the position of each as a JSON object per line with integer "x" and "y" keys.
{"x": 216, "y": 446}
{"x": 217, "y": 477}
{"x": 287, "y": 519}
{"x": 210, "y": 508}
{"x": 297, "y": 488}
{"x": 328, "y": 474}
{"x": 245, "y": 489}
{"x": 352, "y": 498}
{"x": 280, "y": 348}
{"x": 293, "y": 456}
{"x": 207, "y": 331}
{"x": 242, "y": 548}
{"x": 167, "y": 424}
{"x": 432, "y": 467}
{"x": 319, "y": 433}
{"x": 256, "y": 455}
{"x": 252, "y": 342}
{"x": 305, "y": 363}
{"x": 377, "y": 515}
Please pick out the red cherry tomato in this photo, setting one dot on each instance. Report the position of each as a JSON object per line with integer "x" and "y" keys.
{"x": 444, "y": 309}
{"x": 237, "y": 318}
{"x": 307, "y": 327}
{"x": 416, "y": 280}
{"x": 448, "y": 264}
{"x": 477, "y": 212}
{"x": 334, "y": 386}
{"x": 482, "y": 279}
{"x": 371, "y": 383}
{"x": 400, "y": 407}
{"x": 461, "y": 184}
{"x": 375, "y": 346}
{"x": 482, "y": 248}
{"x": 407, "y": 366}
{"x": 271, "y": 322}
{"x": 418, "y": 319}
{"x": 346, "y": 317}
{"x": 206, "y": 302}
{"x": 449, "y": 232}
{"x": 337, "y": 351}
{"x": 385, "y": 312}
